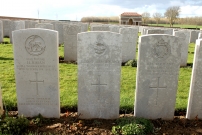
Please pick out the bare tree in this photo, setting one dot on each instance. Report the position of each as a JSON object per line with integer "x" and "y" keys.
{"x": 145, "y": 17}
{"x": 172, "y": 13}
{"x": 157, "y": 17}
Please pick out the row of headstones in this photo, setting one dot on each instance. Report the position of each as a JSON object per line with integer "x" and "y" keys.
{"x": 130, "y": 40}
{"x": 99, "y": 70}
{"x": 68, "y": 35}
{"x": 193, "y": 34}
{"x": 70, "y": 32}
{"x": 130, "y": 35}
{"x": 7, "y": 26}
{"x": 186, "y": 36}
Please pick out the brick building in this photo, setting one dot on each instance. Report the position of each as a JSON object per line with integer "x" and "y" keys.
{"x": 130, "y": 18}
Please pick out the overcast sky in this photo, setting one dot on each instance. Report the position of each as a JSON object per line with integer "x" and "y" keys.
{"x": 76, "y": 9}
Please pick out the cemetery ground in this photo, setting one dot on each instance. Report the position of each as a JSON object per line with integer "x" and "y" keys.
{"x": 70, "y": 122}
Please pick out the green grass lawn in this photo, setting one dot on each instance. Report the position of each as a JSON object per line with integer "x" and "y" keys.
{"x": 68, "y": 82}
{"x": 177, "y": 25}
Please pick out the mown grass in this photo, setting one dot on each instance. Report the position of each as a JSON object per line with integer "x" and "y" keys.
{"x": 177, "y": 25}
{"x": 68, "y": 82}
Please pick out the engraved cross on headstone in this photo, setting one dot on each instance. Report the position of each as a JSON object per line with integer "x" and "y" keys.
{"x": 157, "y": 88}
{"x": 98, "y": 84}
{"x": 36, "y": 81}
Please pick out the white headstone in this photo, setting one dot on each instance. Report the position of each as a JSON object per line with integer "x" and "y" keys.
{"x": 44, "y": 26}
{"x": 16, "y": 25}
{"x": 114, "y": 28}
{"x": 168, "y": 31}
{"x": 160, "y": 31}
{"x": 193, "y": 36}
{"x": 99, "y": 70}
{"x": 27, "y": 24}
{"x": 157, "y": 76}
{"x": 70, "y": 42}
{"x": 36, "y": 72}
{"x": 140, "y": 29}
{"x": 129, "y": 42}
{"x": 54, "y": 23}
{"x": 6, "y": 27}
{"x": 32, "y": 24}
{"x": 185, "y": 35}
{"x": 100, "y": 28}
{"x": 59, "y": 28}
{"x": 194, "y": 108}
{"x": 84, "y": 27}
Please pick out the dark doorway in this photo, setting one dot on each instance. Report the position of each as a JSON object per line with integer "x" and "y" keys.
{"x": 136, "y": 23}
{"x": 130, "y": 22}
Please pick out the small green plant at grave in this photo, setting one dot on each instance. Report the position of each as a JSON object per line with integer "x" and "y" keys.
{"x": 13, "y": 125}
{"x": 132, "y": 63}
{"x": 39, "y": 120}
{"x": 132, "y": 126}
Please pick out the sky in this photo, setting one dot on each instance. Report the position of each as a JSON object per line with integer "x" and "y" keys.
{"x": 76, "y": 9}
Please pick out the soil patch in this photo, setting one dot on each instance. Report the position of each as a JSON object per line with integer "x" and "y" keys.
{"x": 70, "y": 123}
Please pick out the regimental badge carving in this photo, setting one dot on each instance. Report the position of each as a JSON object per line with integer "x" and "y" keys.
{"x": 162, "y": 49}
{"x": 100, "y": 46}
{"x": 35, "y": 45}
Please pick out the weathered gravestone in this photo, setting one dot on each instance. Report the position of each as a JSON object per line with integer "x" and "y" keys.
{"x": 160, "y": 31}
{"x": 154, "y": 31}
{"x": 70, "y": 41}
{"x": 194, "y": 108}
{"x": 36, "y": 72}
{"x": 157, "y": 76}
{"x": 140, "y": 29}
{"x": 15, "y": 25}
{"x": 59, "y": 27}
{"x": 99, "y": 70}
{"x": 32, "y": 24}
{"x": 193, "y": 36}
{"x": 135, "y": 27}
{"x": 114, "y": 28}
{"x": 27, "y": 24}
{"x": 144, "y": 30}
{"x": 6, "y": 27}
{"x": 185, "y": 35}
{"x": 84, "y": 27}
{"x": 168, "y": 31}
{"x": 44, "y": 26}
{"x": 54, "y": 23}
{"x": 1, "y": 31}
{"x": 129, "y": 42}
{"x": 100, "y": 28}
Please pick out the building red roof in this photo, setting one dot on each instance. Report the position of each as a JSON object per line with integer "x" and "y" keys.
{"x": 130, "y": 14}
